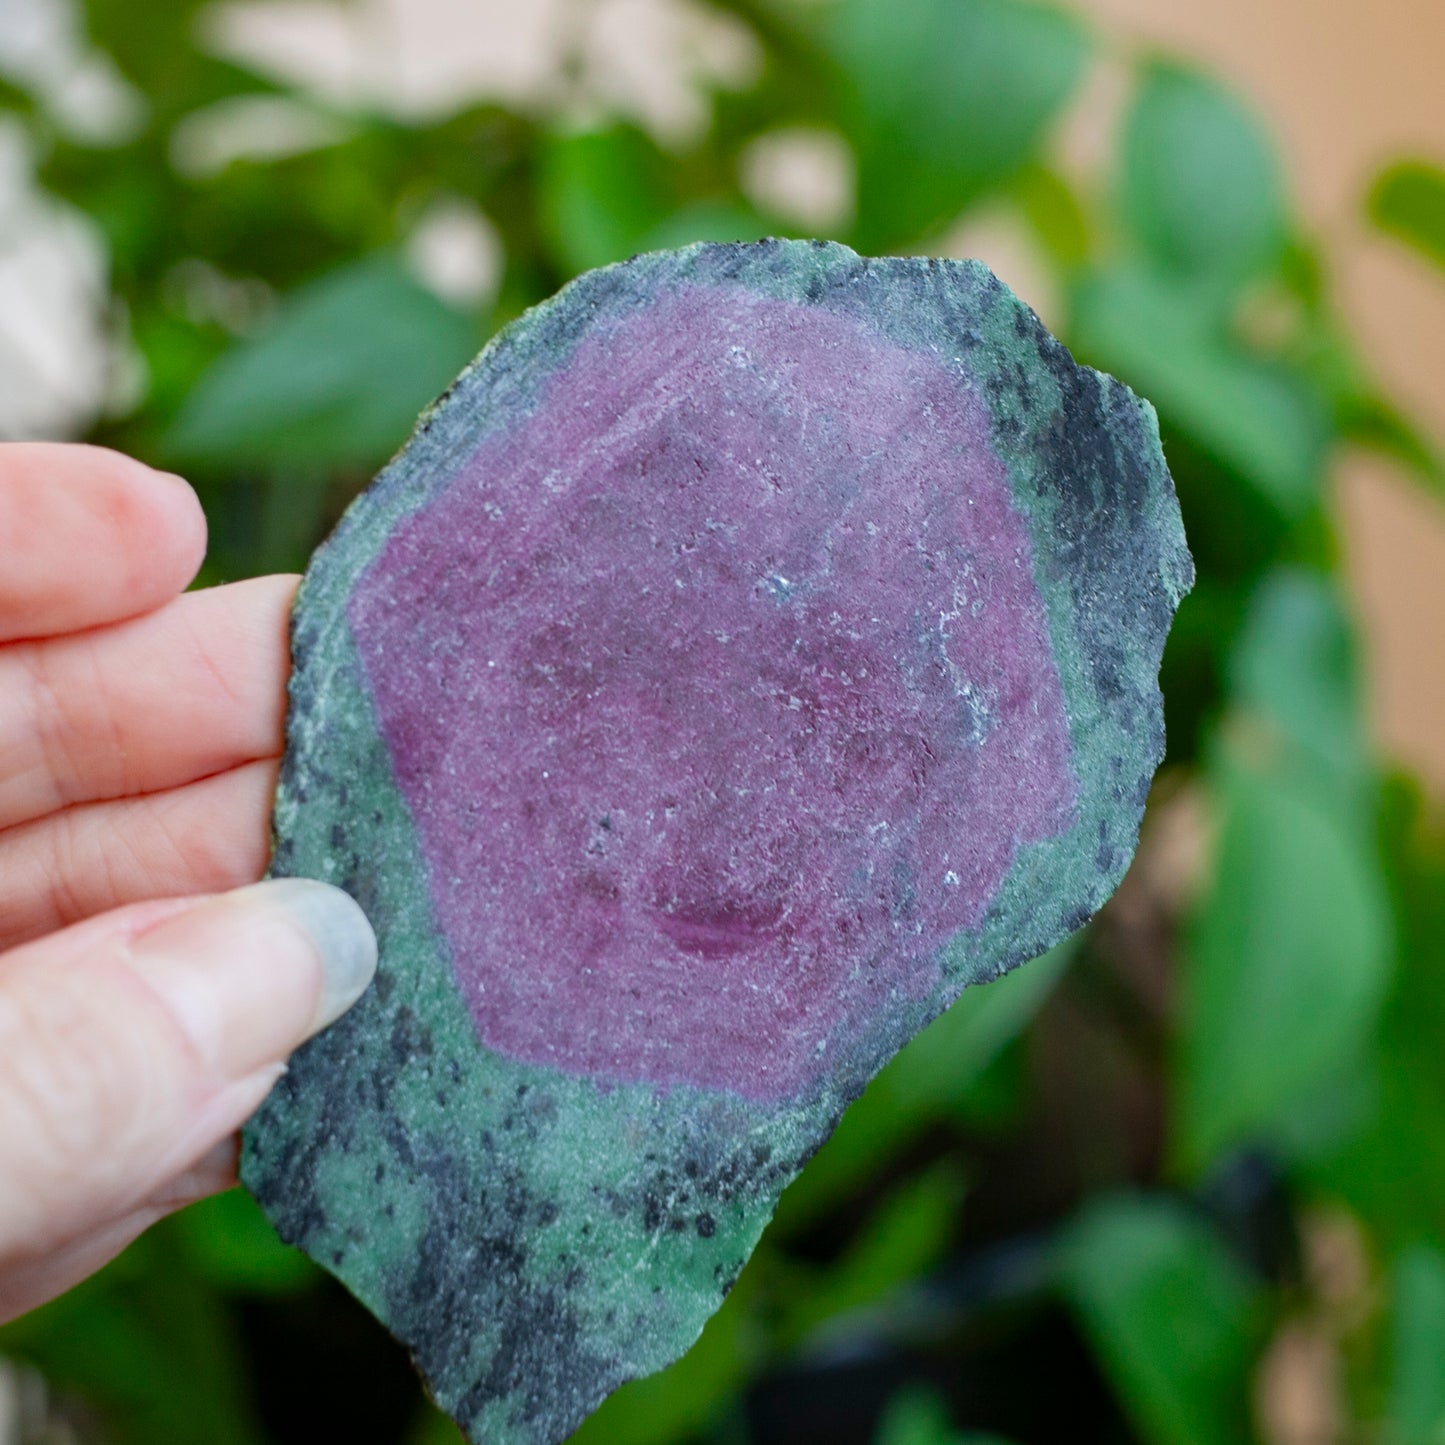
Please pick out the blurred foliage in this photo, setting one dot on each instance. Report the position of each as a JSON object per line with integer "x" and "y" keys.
{"x": 1417, "y": 1383}
{"x": 1172, "y": 1314}
{"x": 1090, "y": 1201}
{"x": 1408, "y": 201}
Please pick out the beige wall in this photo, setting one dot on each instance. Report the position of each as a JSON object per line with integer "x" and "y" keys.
{"x": 1348, "y": 85}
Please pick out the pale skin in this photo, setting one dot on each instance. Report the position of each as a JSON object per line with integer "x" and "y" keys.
{"x": 143, "y": 1012}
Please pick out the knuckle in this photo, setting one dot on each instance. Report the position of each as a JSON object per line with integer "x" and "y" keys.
{"x": 216, "y": 835}
{"x": 74, "y": 877}
{"x": 76, "y": 719}
{"x": 48, "y": 722}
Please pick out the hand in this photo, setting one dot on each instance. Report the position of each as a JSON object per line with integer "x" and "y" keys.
{"x": 144, "y": 1013}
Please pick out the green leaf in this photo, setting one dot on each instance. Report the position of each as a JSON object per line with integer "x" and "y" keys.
{"x": 1417, "y": 1348}
{"x": 1408, "y": 202}
{"x": 431, "y": 1427}
{"x": 1369, "y": 420}
{"x": 1050, "y": 206}
{"x": 1362, "y": 415}
{"x": 1294, "y": 666}
{"x": 1202, "y": 187}
{"x": 909, "y": 1233}
{"x": 335, "y": 381}
{"x": 1288, "y": 958}
{"x": 1171, "y": 1315}
{"x": 946, "y": 99}
{"x": 1253, "y": 415}
{"x": 920, "y": 1417}
{"x": 1391, "y": 1170}
{"x": 600, "y": 194}
{"x": 232, "y": 1245}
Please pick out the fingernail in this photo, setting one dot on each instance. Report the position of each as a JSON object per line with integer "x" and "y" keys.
{"x": 337, "y": 929}
{"x": 251, "y": 974}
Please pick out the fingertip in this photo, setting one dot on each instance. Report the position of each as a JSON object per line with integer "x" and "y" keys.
{"x": 252, "y": 974}
{"x": 135, "y": 536}
{"x": 336, "y": 927}
{"x": 140, "y": 501}
{"x": 188, "y": 529}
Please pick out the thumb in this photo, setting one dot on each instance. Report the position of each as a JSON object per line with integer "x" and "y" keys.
{"x": 132, "y": 1044}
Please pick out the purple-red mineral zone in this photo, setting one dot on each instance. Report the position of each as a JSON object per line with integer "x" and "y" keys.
{"x": 720, "y": 693}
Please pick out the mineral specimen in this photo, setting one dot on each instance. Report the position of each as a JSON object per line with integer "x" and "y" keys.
{"x": 756, "y": 646}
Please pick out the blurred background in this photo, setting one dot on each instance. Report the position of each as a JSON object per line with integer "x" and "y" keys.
{"x": 1181, "y": 1182}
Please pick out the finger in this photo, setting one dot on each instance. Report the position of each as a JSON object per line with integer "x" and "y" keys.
{"x": 131, "y": 1050}
{"x": 194, "y": 688}
{"x": 28, "y": 1283}
{"x": 214, "y": 1172}
{"x": 23, "y": 1286}
{"x": 202, "y": 838}
{"x": 89, "y": 536}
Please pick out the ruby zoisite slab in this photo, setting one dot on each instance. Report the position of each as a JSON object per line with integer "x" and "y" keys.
{"x": 758, "y": 645}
